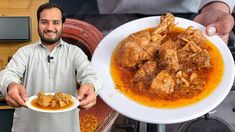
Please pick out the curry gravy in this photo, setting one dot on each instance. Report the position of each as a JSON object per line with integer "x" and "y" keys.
{"x": 35, "y": 104}
{"x": 121, "y": 77}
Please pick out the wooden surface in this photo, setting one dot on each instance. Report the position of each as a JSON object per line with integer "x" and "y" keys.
{"x": 6, "y": 107}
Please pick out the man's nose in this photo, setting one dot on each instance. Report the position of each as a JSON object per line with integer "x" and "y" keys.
{"x": 50, "y": 26}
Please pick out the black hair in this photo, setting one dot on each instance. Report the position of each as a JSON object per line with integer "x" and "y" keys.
{"x": 49, "y": 6}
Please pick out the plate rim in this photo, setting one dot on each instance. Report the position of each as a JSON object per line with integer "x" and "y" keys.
{"x": 29, "y": 100}
{"x": 224, "y": 54}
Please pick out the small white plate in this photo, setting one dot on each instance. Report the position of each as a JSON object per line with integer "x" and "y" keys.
{"x": 30, "y": 106}
{"x": 101, "y": 60}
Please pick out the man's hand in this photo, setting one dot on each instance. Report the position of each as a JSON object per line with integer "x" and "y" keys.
{"x": 86, "y": 96}
{"x": 217, "y": 19}
{"x": 16, "y": 95}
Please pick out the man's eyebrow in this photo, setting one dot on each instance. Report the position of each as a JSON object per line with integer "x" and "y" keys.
{"x": 56, "y": 20}
{"x": 51, "y": 20}
{"x": 44, "y": 20}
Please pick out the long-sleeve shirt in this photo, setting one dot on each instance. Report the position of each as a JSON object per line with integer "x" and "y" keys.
{"x": 155, "y": 6}
{"x": 67, "y": 68}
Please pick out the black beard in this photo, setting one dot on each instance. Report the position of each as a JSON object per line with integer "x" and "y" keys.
{"x": 50, "y": 41}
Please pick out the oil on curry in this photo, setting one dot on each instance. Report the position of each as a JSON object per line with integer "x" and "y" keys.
{"x": 166, "y": 66}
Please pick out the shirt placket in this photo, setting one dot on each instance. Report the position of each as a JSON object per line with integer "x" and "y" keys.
{"x": 52, "y": 66}
{"x": 51, "y": 74}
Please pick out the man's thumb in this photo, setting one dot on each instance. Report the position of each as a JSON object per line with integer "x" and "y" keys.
{"x": 211, "y": 29}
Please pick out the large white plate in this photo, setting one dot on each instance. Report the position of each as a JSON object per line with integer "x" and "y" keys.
{"x": 30, "y": 106}
{"x": 102, "y": 58}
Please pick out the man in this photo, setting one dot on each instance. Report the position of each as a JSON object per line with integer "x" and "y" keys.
{"x": 214, "y": 14}
{"x": 49, "y": 65}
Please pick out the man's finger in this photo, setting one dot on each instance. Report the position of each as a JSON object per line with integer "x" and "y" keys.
{"x": 221, "y": 27}
{"x": 81, "y": 92}
{"x": 23, "y": 93}
{"x": 11, "y": 102}
{"x": 18, "y": 99}
{"x": 87, "y": 106}
{"x": 88, "y": 99}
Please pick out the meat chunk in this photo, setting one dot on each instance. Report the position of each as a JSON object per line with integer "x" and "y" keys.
{"x": 63, "y": 99}
{"x": 166, "y": 23}
{"x": 191, "y": 34}
{"x": 143, "y": 45}
{"x": 131, "y": 51}
{"x": 44, "y": 100}
{"x": 168, "y": 56}
{"x": 144, "y": 75}
{"x": 163, "y": 82}
{"x": 146, "y": 71}
{"x": 54, "y": 101}
{"x": 182, "y": 80}
{"x": 193, "y": 57}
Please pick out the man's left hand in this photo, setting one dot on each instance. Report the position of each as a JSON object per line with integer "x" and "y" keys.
{"x": 217, "y": 19}
{"x": 86, "y": 96}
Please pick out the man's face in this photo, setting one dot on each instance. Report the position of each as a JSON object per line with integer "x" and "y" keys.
{"x": 50, "y": 26}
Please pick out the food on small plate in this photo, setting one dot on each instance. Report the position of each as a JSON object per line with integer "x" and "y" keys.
{"x": 53, "y": 101}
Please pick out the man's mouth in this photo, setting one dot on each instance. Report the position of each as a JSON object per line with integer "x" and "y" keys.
{"x": 49, "y": 33}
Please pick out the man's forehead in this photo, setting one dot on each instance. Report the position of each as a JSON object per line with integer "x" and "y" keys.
{"x": 51, "y": 13}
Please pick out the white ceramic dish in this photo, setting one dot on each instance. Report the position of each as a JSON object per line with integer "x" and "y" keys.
{"x": 101, "y": 61}
{"x": 30, "y": 106}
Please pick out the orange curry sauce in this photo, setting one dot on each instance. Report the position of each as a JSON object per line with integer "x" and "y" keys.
{"x": 35, "y": 104}
{"x": 121, "y": 77}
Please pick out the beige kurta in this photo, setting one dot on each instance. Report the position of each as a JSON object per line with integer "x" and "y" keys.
{"x": 68, "y": 67}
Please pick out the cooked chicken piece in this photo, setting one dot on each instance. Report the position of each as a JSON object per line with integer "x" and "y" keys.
{"x": 192, "y": 56}
{"x": 193, "y": 77}
{"x": 142, "y": 45}
{"x": 166, "y": 23}
{"x": 146, "y": 72}
{"x": 131, "y": 51}
{"x": 158, "y": 37}
{"x": 54, "y": 104}
{"x": 181, "y": 79}
{"x": 202, "y": 59}
{"x": 196, "y": 81}
{"x": 163, "y": 82}
{"x": 54, "y": 101}
{"x": 169, "y": 44}
{"x": 191, "y": 47}
{"x": 44, "y": 100}
{"x": 168, "y": 56}
{"x": 63, "y": 99}
{"x": 191, "y": 34}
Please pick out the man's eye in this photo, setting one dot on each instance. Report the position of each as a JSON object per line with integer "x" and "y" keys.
{"x": 55, "y": 23}
{"x": 44, "y": 22}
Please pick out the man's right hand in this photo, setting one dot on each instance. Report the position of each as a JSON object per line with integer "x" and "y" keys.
{"x": 16, "y": 95}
